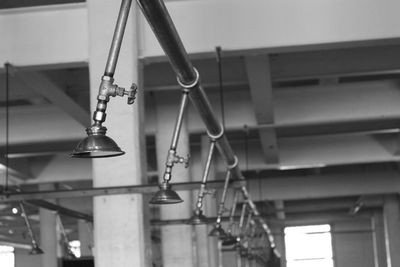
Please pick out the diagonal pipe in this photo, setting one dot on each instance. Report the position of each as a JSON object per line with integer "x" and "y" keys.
{"x": 164, "y": 29}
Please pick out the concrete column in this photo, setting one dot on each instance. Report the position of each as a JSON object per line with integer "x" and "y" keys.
{"x": 49, "y": 241}
{"x": 279, "y": 238}
{"x": 177, "y": 246}
{"x": 85, "y": 237}
{"x": 391, "y": 220}
{"x": 378, "y": 239}
{"x": 121, "y": 226}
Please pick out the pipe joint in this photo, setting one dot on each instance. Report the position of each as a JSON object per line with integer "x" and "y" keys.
{"x": 108, "y": 88}
{"x": 187, "y": 87}
{"x": 234, "y": 164}
{"x": 215, "y": 137}
{"x": 173, "y": 158}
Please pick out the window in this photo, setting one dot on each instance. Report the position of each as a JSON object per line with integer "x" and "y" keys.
{"x": 75, "y": 246}
{"x": 308, "y": 246}
{"x": 7, "y": 258}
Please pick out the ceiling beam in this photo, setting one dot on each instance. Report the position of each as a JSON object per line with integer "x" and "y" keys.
{"x": 258, "y": 74}
{"x": 19, "y": 170}
{"x": 42, "y": 85}
{"x": 297, "y": 65}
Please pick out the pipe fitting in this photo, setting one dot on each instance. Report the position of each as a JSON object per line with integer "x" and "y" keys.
{"x": 217, "y": 136}
{"x": 234, "y": 164}
{"x": 107, "y": 88}
{"x": 191, "y": 85}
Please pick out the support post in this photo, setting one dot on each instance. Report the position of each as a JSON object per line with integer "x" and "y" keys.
{"x": 121, "y": 223}
{"x": 391, "y": 220}
{"x": 48, "y": 234}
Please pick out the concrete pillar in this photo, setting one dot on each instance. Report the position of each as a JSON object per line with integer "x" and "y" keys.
{"x": 391, "y": 220}
{"x": 121, "y": 226}
{"x": 49, "y": 241}
{"x": 378, "y": 239}
{"x": 279, "y": 238}
{"x": 85, "y": 237}
{"x": 177, "y": 246}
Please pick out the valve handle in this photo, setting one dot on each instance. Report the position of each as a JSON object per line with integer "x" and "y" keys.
{"x": 131, "y": 94}
{"x": 184, "y": 160}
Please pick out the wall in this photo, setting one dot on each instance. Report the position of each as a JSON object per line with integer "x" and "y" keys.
{"x": 23, "y": 259}
{"x": 353, "y": 243}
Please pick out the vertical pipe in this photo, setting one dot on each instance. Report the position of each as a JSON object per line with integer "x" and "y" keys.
{"x": 223, "y": 197}
{"x": 179, "y": 120}
{"x": 205, "y": 176}
{"x": 117, "y": 38}
{"x": 28, "y": 225}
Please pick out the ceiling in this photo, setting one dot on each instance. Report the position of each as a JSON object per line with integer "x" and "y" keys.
{"x": 5, "y": 4}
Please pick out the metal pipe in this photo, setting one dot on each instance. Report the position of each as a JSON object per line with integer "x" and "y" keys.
{"x": 257, "y": 214}
{"x": 65, "y": 240}
{"x": 117, "y": 38}
{"x": 161, "y": 23}
{"x": 28, "y": 225}
{"x": 242, "y": 215}
{"x": 223, "y": 197}
{"x": 101, "y": 191}
{"x": 172, "y": 158}
{"x": 233, "y": 210}
{"x": 202, "y": 190}
{"x": 179, "y": 120}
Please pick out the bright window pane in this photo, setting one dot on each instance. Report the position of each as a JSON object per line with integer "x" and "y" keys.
{"x": 311, "y": 263}
{"x": 7, "y": 256}
{"x": 75, "y": 248}
{"x": 308, "y": 246}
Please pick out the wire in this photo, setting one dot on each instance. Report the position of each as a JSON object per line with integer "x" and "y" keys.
{"x": 221, "y": 89}
{"x": 7, "y": 67}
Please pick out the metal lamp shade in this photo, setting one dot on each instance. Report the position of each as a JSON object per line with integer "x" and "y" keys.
{"x": 97, "y": 145}
{"x": 198, "y": 218}
{"x": 36, "y": 250}
{"x": 229, "y": 240}
{"x": 218, "y": 231}
{"x": 165, "y": 195}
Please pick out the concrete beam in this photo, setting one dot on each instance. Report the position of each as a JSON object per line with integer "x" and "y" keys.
{"x": 42, "y": 85}
{"x": 339, "y": 62}
{"x": 258, "y": 73}
{"x": 370, "y": 182}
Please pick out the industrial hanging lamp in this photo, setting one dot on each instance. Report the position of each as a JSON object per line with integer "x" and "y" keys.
{"x": 166, "y": 195}
{"x": 218, "y": 231}
{"x": 198, "y": 217}
{"x": 240, "y": 229}
{"x": 97, "y": 144}
{"x": 229, "y": 239}
{"x": 35, "y": 247}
